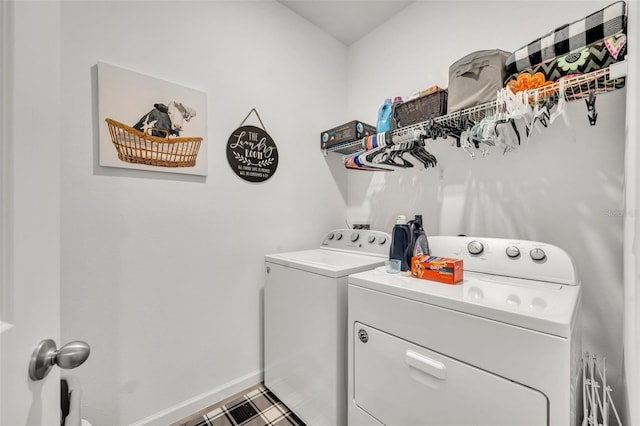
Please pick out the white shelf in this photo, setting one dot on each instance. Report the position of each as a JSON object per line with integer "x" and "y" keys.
{"x": 575, "y": 87}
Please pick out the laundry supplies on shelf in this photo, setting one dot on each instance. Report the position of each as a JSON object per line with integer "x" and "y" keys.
{"x": 340, "y": 138}
{"x": 475, "y": 78}
{"x": 384, "y": 116}
{"x": 486, "y": 111}
{"x": 430, "y": 105}
{"x": 537, "y": 109}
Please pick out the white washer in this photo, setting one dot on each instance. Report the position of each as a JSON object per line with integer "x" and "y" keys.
{"x": 502, "y": 347}
{"x": 305, "y": 315}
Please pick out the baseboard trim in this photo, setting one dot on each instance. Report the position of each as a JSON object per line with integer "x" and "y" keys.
{"x": 202, "y": 401}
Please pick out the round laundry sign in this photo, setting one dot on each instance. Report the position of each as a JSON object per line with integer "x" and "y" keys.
{"x": 252, "y": 154}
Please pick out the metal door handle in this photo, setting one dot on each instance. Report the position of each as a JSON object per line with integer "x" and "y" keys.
{"x": 45, "y": 356}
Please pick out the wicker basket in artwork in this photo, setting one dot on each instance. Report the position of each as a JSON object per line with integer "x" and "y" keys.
{"x": 136, "y": 147}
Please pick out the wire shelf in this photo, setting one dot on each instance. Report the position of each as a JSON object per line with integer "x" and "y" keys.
{"x": 346, "y": 148}
{"x": 573, "y": 87}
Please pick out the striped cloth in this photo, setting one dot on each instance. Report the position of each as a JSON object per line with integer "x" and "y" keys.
{"x": 593, "y": 29}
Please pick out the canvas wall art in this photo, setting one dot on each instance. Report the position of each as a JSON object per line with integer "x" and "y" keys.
{"x": 150, "y": 124}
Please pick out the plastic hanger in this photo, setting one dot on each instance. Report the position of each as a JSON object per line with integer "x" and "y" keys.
{"x": 592, "y": 115}
{"x": 421, "y": 154}
{"x": 562, "y": 103}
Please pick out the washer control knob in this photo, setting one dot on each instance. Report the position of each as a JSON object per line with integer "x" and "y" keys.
{"x": 513, "y": 300}
{"x": 330, "y": 236}
{"x": 538, "y": 304}
{"x": 354, "y": 237}
{"x": 475, "y": 247}
{"x": 372, "y": 239}
{"x": 475, "y": 293}
{"x": 338, "y": 236}
{"x": 538, "y": 254}
{"x": 382, "y": 240}
{"x": 513, "y": 252}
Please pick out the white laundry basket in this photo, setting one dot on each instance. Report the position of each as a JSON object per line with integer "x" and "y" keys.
{"x": 70, "y": 401}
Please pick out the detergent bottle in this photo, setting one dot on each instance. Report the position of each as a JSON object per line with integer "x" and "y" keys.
{"x": 419, "y": 241}
{"x": 384, "y": 117}
{"x": 401, "y": 243}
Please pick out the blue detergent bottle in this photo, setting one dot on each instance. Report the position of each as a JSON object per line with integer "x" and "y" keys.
{"x": 384, "y": 117}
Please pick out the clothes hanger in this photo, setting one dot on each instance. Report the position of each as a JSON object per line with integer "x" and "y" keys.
{"x": 562, "y": 103}
{"x": 397, "y": 154}
{"x": 592, "y": 115}
{"x": 421, "y": 154}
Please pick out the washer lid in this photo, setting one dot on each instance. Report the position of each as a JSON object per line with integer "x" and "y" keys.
{"x": 327, "y": 262}
{"x": 536, "y": 305}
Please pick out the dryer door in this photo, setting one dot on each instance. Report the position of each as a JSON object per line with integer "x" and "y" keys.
{"x": 399, "y": 383}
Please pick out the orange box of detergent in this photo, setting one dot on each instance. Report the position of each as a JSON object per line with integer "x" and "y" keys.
{"x": 442, "y": 269}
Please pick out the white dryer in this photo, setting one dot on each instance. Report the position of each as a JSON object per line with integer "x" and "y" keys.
{"x": 502, "y": 347}
{"x": 305, "y": 316}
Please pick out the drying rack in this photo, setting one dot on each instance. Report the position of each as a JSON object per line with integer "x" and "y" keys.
{"x": 573, "y": 88}
{"x": 597, "y": 403}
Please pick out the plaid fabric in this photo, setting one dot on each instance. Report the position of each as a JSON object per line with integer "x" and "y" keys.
{"x": 257, "y": 407}
{"x": 583, "y": 61}
{"x": 594, "y": 28}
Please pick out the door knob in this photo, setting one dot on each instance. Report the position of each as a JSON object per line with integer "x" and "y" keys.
{"x": 45, "y": 356}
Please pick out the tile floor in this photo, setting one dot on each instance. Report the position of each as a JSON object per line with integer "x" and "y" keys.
{"x": 256, "y": 406}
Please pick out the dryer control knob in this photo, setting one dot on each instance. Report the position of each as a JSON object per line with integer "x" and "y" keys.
{"x": 330, "y": 236}
{"x": 475, "y": 247}
{"x": 513, "y": 252}
{"x": 372, "y": 239}
{"x": 382, "y": 240}
{"x": 338, "y": 236}
{"x": 537, "y": 254}
{"x": 354, "y": 237}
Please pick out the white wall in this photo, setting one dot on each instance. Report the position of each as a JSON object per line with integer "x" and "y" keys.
{"x": 631, "y": 241}
{"x": 565, "y": 186}
{"x": 162, "y": 273}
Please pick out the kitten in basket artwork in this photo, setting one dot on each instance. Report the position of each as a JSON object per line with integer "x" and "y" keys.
{"x": 165, "y": 120}
{"x": 155, "y": 139}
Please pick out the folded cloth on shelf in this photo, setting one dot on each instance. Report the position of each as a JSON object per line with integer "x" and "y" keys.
{"x": 582, "y": 61}
{"x": 570, "y": 37}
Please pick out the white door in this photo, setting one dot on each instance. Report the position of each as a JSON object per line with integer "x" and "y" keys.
{"x": 30, "y": 210}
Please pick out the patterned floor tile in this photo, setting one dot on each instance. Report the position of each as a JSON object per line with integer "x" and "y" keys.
{"x": 254, "y": 407}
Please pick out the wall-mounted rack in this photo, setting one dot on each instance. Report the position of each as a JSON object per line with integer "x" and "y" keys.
{"x": 572, "y": 87}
